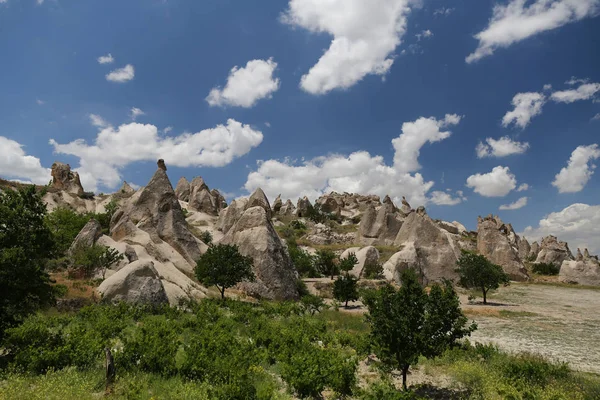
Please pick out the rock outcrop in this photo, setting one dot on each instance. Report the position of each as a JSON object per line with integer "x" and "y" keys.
{"x": 303, "y": 206}
{"x": 405, "y": 208}
{"x": 524, "y": 249}
{"x": 137, "y": 282}
{"x": 258, "y": 198}
{"x": 66, "y": 180}
{"x": 496, "y": 241}
{"x": 321, "y": 234}
{"x": 255, "y": 236}
{"x": 365, "y": 256}
{"x": 277, "y": 204}
{"x": 183, "y": 189}
{"x": 584, "y": 270}
{"x": 534, "y": 251}
{"x": 553, "y": 251}
{"x": 382, "y": 226}
{"x": 287, "y": 209}
{"x": 229, "y": 216}
{"x": 87, "y": 237}
{"x": 126, "y": 189}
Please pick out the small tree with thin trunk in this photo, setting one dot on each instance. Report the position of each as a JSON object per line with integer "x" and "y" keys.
{"x": 345, "y": 287}
{"x": 408, "y": 323}
{"x": 326, "y": 262}
{"x": 223, "y": 266}
{"x": 477, "y": 272}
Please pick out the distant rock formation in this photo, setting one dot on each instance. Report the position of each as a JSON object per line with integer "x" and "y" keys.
{"x": 382, "y": 226}
{"x": 553, "y": 251}
{"x": 66, "y": 180}
{"x": 126, "y": 189}
{"x": 255, "y": 236}
{"x": 303, "y": 206}
{"x": 534, "y": 251}
{"x": 321, "y": 234}
{"x": 584, "y": 270}
{"x": 138, "y": 282}
{"x": 277, "y": 204}
{"x": 287, "y": 209}
{"x": 183, "y": 189}
{"x": 524, "y": 248}
{"x": 258, "y": 198}
{"x": 229, "y": 216}
{"x": 87, "y": 237}
{"x": 497, "y": 242}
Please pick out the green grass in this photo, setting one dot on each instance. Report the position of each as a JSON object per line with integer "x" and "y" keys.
{"x": 516, "y": 314}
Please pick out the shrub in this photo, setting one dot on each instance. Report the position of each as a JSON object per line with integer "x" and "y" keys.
{"x": 65, "y": 224}
{"x": 312, "y": 304}
{"x": 325, "y": 263}
{"x": 206, "y": 237}
{"x": 545, "y": 268}
{"x": 345, "y": 289}
{"x": 89, "y": 260}
{"x": 302, "y": 260}
{"x": 298, "y": 225}
{"x": 373, "y": 271}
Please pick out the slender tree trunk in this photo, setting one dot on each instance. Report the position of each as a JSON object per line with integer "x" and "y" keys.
{"x": 110, "y": 370}
{"x": 346, "y": 303}
{"x": 222, "y": 290}
{"x": 484, "y": 296}
{"x": 404, "y": 373}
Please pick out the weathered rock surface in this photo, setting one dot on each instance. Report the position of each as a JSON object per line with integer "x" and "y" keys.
{"x": 258, "y": 198}
{"x": 534, "y": 251}
{"x": 321, "y": 234}
{"x": 88, "y": 235}
{"x": 585, "y": 270}
{"x": 303, "y": 207}
{"x": 287, "y": 209}
{"x": 524, "y": 248}
{"x": 553, "y": 251}
{"x": 183, "y": 189}
{"x": 447, "y": 226}
{"x": 126, "y": 189}
{"x": 405, "y": 208}
{"x": 382, "y": 226}
{"x": 277, "y": 204}
{"x": 365, "y": 256}
{"x": 255, "y": 237}
{"x": 495, "y": 240}
{"x": 406, "y": 258}
{"x": 66, "y": 180}
{"x": 137, "y": 282}
{"x": 229, "y": 216}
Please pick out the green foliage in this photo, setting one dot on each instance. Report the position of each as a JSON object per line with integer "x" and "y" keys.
{"x": 87, "y": 196}
{"x": 380, "y": 390}
{"x": 26, "y": 244}
{"x": 476, "y": 271}
{"x": 373, "y": 271}
{"x": 325, "y": 263}
{"x": 65, "y": 224}
{"x": 545, "y": 268}
{"x": 303, "y": 261}
{"x": 347, "y": 263}
{"x": 345, "y": 288}
{"x": 88, "y": 260}
{"x": 223, "y": 266}
{"x": 297, "y": 225}
{"x": 312, "y": 304}
{"x": 408, "y": 323}
{"x": 317, "y": 215}
{"x": 206, "y": 237}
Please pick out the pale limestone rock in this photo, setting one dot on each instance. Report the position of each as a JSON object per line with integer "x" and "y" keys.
{"x": 88, "y": 235}
{"x": 553, "y": 251}
{"x": 66, "y": 180}
{"x": 138, "y": 283}
{"x": 183, "y": 189}
{"x": 365, "y": 256}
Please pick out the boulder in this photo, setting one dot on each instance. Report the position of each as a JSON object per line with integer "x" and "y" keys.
{"x": 66, "y": 180}
{"x": 303, "y": 207}
{"x": 329, "y": 205}
{"x": 585, "y": 270}
{"x": 130, "y": 254}
{"x": 553, "y": 251}
{"x": 365, "y": 256}
{"x": 366, "y": 227}
{"x": 183, "y": 189}
{"x": 229, "y": 216}
{"x": 447, "y": 226}
{"x": 495, "y": 243}
{"x": 157, "y": 211}
{"x": 405, "y": 208}
{"x": 402, "y": 260}
{"x": 137, "y": 282}
{"x": 256, "y": 237}
{"x": 435, "y": 254}
{"x": 88, "y": 235}
{"x": 462, "y": 230}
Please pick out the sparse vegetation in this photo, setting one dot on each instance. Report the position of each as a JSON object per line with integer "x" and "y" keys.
{"x": 326, "y": 263}
{"x": 206, "y": 237}
{"x": 373, "y": 271}
{"x": 86, "y": 261}
{"x": 545, "y": 268}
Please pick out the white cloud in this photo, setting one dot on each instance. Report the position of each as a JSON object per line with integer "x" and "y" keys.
{"x": 245, "y": 86}
{"x": 424, "y": 34}
{"x": 268, "y": 124}
{"x": 114, "y": 149}
{"x": 523, "y": 187}
{"x": 596, "y": 117}
{"x": 547, "y": 87}
{"x": 527, "y": 105}
{"x": 365, "y": 34}
{"x": 136, "y": 112}
{"x": 40, "y": 2}
{"x": 107, "y": 59}
{"x": 40, "y": 102}
{"x": 15, "y": 163}
{"x": 579, "y": 169}
{"x": 121, "y": 75}
{"x": 502, "y": 147}
{"x": 574, "y": 80}
{"x": 522, "y": 202}
{"x": 521, "y": 19}
{"x": 443, "y": 11}
{"x": 584, "y": 92}
{"x": 98, "y": 121}
{"x": 167, "y": 129}
{"x": 359, "y": 172}
{"x": 445, "y": 199}
{"x": 577, "y": 224}
{"x": 497, "y": 183}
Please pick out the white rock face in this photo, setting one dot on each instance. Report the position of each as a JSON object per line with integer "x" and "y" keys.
{"x": 366, "y": 255}
{"x": 585, "y": 270}
{"x": 402, "y": 260}
{"x": 553, "y": 251}
{"x": 138, "y": 282}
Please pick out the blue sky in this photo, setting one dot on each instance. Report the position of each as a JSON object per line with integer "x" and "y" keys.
{"x": 450, "y": 71}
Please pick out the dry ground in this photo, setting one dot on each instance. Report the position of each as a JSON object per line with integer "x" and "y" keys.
{"x": 561, "y": 323}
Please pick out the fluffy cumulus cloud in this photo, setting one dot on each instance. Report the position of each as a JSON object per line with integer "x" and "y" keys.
{"x": 497, "y": 183}
{"x": 522, "y": 202}
{"x": 585, "y": 91}
{"x": 365, "y": 34}
{"x": 527, "y": 105}
{"x": 121, "y": 75}
{"x": 446, "y": 199}
{"x": 98, "y": 121}
{"x": 107, "y": 59}
{"x": 245, "y": 86}
{"x": 136, "y": 112}
{"x": 16, "y": 164}
{"x": 502, "y": 147}
{"x": 577, "y": 224}
{"x": 360, "y": 172}
{"x": 579, "y": 169}
{"x": 115, "y": 148}
{"x": 520, "y": 19}
{"x": 523, "y": 187}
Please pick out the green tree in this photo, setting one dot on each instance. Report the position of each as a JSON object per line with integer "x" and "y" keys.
{"x": 302, "y": 260}
{"x": 348, "y": 262}
{"x": 26, "y": 244}
{"x": 345, "y": 288}
{"x": 65, "y": 224}
{"x": 312, "y": 304}
{"x": 223, "y": 266}
{"x": 94, "y": 258}
{"x": 408, "y": 323}
{"x": 476, "y": 271}
{"x": 325, "y": 262}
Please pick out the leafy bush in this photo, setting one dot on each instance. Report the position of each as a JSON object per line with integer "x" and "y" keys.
{"x": 206, "y": 237}
{"x": 303, "y": 261}
{"x": 325, "y": 263}
{"x": 476, "y": 271}
{"x": 312, "y": 304}
{"x": 65, "y": 224}
{"x": 89, "y": 260}
{"x": 345, "y": 289}
{"x": 373, "y": 271}
{"x": 545, "y": 268}
{"x": 298, "y": 225}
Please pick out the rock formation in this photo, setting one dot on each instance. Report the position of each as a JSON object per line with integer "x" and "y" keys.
{"x": 584, "y": 270}
{"x": 229, "y": 216}
{"x": 88, "y": 235}
{"x": 321, "y": 234}
{"x": 553, "y": 251}
{"x": 126, "y": 189}
{"x": 287, "y": 209}
{"x": 524, "y": 249}
{"x": 277, "y": 204}
{"x": 258, "y": 198}
{"x": 303, "y": 207}
{"x": 365, "y": 256}
{"x": 137, "y": 282}
{"x": 66, "y": 180}
{"x": 406, "y": 208}
{"x": 255, "y": 236}
{"x": 534, "y": 251}
{"x": 496, "y": 241}
{"x": 182, "y": 190}
{"x": 382, "y": 226}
